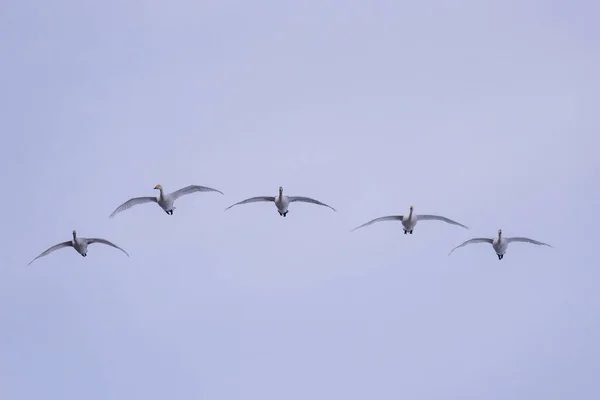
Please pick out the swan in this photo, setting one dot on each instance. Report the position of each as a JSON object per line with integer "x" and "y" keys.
{"x": 500, "y": 244}
{"x": 281, "y": 201}
{"x": 409, "y": 222}
{"x": 165, "y": 201}
{"x": 80, "y": 244}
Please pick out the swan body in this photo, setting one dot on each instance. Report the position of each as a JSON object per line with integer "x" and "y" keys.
{"x": 282, "y": 202}
{"x": 410, "y": 221}
{"x": 79, "y": 244}
{"x": 166, "y": 201}
{"x": 500, "y": 243}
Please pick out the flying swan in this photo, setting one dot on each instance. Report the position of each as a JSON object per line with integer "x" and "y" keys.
{"x": 281, "y": 201}
{"x": 79, "y": 244}
{"x": 500, "y": 244}
{"x": 409, "y": 222}
{"x": 165, "y": 201}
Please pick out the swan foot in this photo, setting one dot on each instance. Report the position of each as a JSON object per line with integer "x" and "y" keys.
{"x": 169, "y": 212}
{"x": 500, "y": 256}
{"x": 84, "y": 255}
{"x": 405, "y": 231}
{"x": 285, "y": 213}
{"x": 410, "y": 232}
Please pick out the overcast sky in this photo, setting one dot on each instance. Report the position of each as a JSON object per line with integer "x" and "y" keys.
{"x": 480, "y": 111}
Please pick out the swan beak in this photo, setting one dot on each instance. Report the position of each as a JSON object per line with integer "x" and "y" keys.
{"x": 157, "y": 187}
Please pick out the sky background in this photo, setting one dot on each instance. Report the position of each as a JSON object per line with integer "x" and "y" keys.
{"x": 480, "y": 111}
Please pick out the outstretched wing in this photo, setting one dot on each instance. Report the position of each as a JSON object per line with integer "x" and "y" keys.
{"x": 308, "y": 200}
{"x": 51, "y": 249}
{"x": 438, "y": 218}
{"x": 132, "y": 202}
{"x": 253, "y": 200}
{"x": 104, "y": 241}
{"x": 526, "y": 240}
{"x": 192, "y": 189}
{"x": 476, "y": 240}
{"x": 388, "y": 218}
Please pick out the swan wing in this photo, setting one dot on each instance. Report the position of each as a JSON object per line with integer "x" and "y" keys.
{"x": 253, "y": 200}
{"x": 51, "y": 249}
{"x": 132, "y": 202}
{"x": 380, "y": 219}
{"x": 106, "y": 242}
{"x": 526, "y": 240}
{"x": 192, "y": 189}
{"x": 438, "y": 218}
{"x": 308, "y": 200}
{"x": 476, "y": 240}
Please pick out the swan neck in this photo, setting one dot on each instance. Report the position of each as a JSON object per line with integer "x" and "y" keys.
{"x": 410, "y": 214}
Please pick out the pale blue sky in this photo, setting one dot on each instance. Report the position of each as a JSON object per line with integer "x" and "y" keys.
{"x": 479, "y": 111}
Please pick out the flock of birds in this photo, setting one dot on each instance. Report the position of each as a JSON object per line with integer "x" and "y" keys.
{"x": 166, "y": 201}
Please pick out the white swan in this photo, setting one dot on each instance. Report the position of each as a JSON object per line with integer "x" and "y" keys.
{"x": 281, "y": 201}
{"x": 409, "y": 222}
{"x": 79, "y": 244}
{"x": 500, "y": 244}
{"x": 165, "y": 201}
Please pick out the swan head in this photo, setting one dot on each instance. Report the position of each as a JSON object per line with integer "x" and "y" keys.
{"x": 159, "y": 187}
{"x": 411, "y": 208}
{"x": 499, "y": 231}
{"x": 74, "y": 233}
{"x": 280, "y": 189}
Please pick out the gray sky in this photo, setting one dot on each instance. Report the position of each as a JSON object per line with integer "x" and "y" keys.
{"x": 479, "y": 111}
